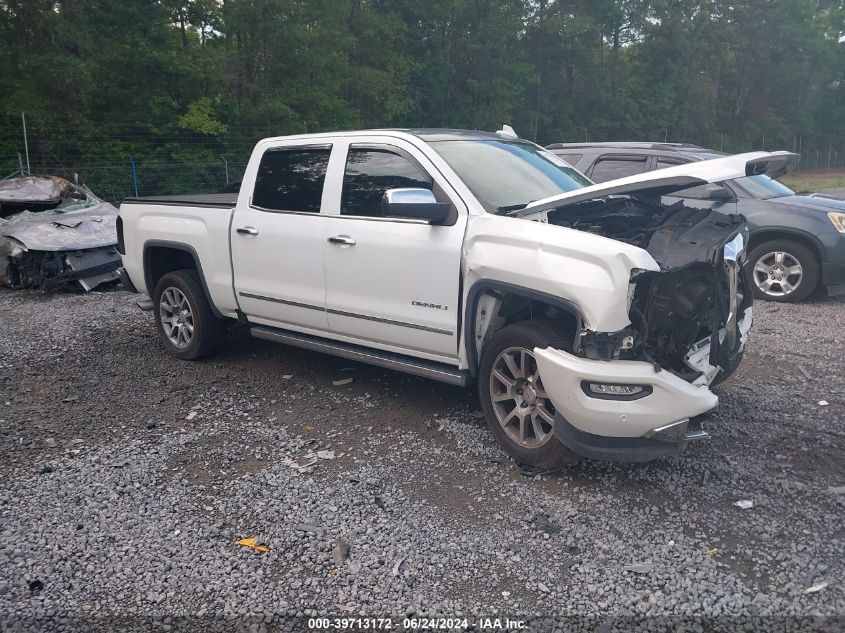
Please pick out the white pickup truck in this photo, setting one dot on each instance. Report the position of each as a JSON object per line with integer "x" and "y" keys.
{"x": 594, "y": 318}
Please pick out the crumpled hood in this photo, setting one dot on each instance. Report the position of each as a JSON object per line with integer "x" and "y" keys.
{"x": 33, "y": 189}
{"x": 92, "y": 227}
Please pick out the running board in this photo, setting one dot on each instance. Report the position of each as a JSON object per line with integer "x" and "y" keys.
{"x": 417, "y": 367}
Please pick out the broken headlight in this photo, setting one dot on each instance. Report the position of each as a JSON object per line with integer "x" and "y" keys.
{"x": 607, "y": 345}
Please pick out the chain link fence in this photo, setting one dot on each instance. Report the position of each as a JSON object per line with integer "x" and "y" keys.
{"x": 136, "y": 176}
{"x": 139, "y": 176}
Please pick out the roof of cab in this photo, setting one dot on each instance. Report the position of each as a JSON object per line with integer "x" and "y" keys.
{"x": 446, "y": 134}
{"x": 425, "y": 134}
{"x": 627, "y": 145}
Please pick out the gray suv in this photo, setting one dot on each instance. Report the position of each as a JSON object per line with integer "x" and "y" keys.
{"x": 797, "y": 239}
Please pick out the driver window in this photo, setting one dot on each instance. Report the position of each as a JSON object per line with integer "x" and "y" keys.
{"x": 372, "y": 171}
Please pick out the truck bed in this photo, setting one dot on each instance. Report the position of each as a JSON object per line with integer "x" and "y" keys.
{"x": 211, "y": 200}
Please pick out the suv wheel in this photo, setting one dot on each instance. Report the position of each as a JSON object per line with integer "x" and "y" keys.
{"x": 184, "y": 319}
{"x": 782, "y": 270}
{"x": 513, "y": 399}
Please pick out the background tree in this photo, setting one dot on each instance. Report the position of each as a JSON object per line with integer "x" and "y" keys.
{"x": 184, "y": 86}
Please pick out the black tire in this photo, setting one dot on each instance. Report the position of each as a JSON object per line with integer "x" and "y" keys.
{"x": 550, "y": 452}
{"x": 208, "y": 333}
{"x": 761, "y": 255}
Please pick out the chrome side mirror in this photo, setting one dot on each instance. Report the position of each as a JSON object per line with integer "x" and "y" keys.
{"x": 414, "y": 204}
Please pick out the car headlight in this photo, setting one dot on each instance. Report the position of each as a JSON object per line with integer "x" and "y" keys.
{"x": 838, "y": 220}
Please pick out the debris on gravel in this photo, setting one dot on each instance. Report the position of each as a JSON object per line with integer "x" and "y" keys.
{"x": 124, "y": 504}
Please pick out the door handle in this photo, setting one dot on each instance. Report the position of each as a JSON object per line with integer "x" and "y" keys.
{"x": 247, "y": 230}
{"x": 343, "y": 240}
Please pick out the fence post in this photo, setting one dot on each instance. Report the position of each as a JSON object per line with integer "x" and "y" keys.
{"x": 226, "y": 166}
{"x": 134, "y": 175}
{"x": 26, "y": 145}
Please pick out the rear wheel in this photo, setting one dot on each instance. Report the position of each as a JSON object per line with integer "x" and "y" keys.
{"x": 782, "y": 270}
{"x": 184, "y": 319}
{"x": 515, "y": 403}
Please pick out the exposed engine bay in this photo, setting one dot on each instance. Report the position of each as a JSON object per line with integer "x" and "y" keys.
{"x": 698, "y": 296}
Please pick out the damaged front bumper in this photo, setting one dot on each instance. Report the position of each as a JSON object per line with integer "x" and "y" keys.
{"x": 23, "y": 268}
{"x": 627, "y": 410}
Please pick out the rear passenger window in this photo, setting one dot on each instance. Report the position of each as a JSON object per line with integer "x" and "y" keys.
{"x": 369, "y": 173}
{"x": 291, "y": 179}
{"x": 618, "y": 167}
{"x": 663, "y": 163}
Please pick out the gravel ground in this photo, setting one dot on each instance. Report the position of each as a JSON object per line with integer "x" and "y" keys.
{"x": 129, "y": 476}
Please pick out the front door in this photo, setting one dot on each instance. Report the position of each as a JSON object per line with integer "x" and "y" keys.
{"x": 392, "y": 283}
{"x": 277, "y": 239}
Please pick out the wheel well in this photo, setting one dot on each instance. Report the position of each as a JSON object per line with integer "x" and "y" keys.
{"x": 160, "y": 260}
{"x": 768, "y": 236}
{"x": 496, "y": 307}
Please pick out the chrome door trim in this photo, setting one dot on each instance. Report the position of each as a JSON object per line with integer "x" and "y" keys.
{"x": 367, "y": 317}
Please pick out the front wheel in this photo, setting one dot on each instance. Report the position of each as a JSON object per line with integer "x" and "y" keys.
{"x": 515, "y": 403}
{"x": 783, "y": 271}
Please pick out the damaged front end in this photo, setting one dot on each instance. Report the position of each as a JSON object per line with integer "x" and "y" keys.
{"x": 691, "y": 317}
{"x": 53, "y": 232}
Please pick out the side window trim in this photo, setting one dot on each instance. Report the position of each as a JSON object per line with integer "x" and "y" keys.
{"x": 633, "y": 158}
{"x": 293, "y": 148}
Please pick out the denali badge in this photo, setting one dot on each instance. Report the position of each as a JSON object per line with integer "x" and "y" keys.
{"x": 423, "y": 304}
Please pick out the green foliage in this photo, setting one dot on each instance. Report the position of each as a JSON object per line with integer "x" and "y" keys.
{"x": 200, "y": 118}
{"x": 174, "y": 82}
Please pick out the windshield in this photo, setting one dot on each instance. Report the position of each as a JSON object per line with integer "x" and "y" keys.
{"x": 507, "y": 175}
{"x": 763, "y": 187}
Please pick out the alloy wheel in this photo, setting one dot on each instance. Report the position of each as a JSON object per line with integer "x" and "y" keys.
{"x": 177, "y": 318}
{"x": 519, "y": 400}
{"x": 778, "y": 274}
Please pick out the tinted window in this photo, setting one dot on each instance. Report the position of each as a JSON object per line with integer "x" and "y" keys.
{"x": 613, "y": 168}
{"x": 701, "y": 192}
{"x": 291, "y": 179}
{"x": 371, "y": 172}
{"x": 663, "y": 163}
{"x": 762, "y": 187}
{"x": 507, "y": 175}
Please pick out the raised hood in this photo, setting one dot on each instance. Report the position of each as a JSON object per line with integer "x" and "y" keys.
{"x": 665, "y": 181}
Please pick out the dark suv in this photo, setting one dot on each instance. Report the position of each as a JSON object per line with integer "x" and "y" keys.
{"x": 797, "y": 239}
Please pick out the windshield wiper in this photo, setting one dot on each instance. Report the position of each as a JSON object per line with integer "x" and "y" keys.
{"x": 508, "y": 210}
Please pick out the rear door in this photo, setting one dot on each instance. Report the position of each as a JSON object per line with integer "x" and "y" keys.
{"x": 392, "y": 283}
{"x": 277, "y": 238}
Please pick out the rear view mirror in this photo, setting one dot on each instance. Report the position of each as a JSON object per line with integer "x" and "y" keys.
{"x": 414, "y": 204}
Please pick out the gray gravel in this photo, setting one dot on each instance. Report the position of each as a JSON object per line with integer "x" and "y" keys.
{"x": 129, "y": 476}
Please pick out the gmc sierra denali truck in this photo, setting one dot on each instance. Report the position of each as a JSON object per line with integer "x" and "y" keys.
{"x": 593, "y": 318}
